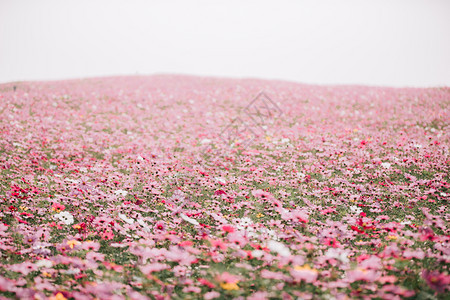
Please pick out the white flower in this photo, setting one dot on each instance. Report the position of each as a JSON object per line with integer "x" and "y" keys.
{"x": 444, "y": 194}
{"x": 272, "y": 234}
{"x": 65, "y": 217}
{"x": 386, "y": 165}
{"x": 341, "y": 255}
{"x": 140, "y": 158}
{"x": 245, "y": 223}
{"x": 189, "y": 220}
{"x": 356, "y": 209}
{"x": 278, "y": 247}
{"x": 121, "y": 193}
{"x": 143, "y": 224}
{"x": 72, "y": 180}
{"x": 220, "y": 180}
{"x": 44, "y": 263}
{"x": 269, "y": 233}
{"x": 126, "y": 219}
{"x": 72, "y": 271}
{"x": 257, "y": 253}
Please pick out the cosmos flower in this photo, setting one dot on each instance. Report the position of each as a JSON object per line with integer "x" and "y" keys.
{"x": 386, "y": 165}
{"x": 304, "y": 273}
{"x": 362, "y": 274}
{"x": 65, "y": 217}
{"x": 341, "y": 255}
{"x": 154, "y": 267}
{"x": 58, "y": 207}
{"x": 122, "y": 193}
{"x": 126, "y": 219}
{"x": 313, "y": 208}
{"x": 278, "y": 247}
{"x": 189, "y": 220}
{"x": 437, "y": 281}
{"x": 211, "y": 295}
{"x": 355, "y": 209}
{"x": 160, "y": 226}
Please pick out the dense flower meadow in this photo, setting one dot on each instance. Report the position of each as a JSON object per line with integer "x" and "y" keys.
{"x": 178, "y": 187}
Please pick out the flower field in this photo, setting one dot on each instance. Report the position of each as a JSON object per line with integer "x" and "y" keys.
{"x": 179, "y": 187}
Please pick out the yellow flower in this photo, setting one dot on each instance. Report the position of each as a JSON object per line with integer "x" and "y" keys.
{"x": 45, "y": 274}
{"x": 229, "y": 286}
{"x": 260, "y": 215}
{"x": 268, "y": 138}
{"x": 392, "y": 237}
{"x": 72, "y": 243}
{"x": 58, "y": 296}
{"x": 305, "y": 268}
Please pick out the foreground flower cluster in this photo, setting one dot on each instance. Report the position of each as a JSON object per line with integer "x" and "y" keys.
{"x": 122, "y": 188}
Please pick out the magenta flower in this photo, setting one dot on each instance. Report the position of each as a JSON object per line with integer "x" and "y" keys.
{"x": 160, "y": 227}
{"x": 437, "y": 281}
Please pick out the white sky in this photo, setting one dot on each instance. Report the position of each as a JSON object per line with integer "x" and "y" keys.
{"x": 380, "y": 42}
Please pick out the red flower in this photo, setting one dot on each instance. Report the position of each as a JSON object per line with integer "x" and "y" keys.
{"x": 219, "y": 192}
{"x": 186, "y": 243}
{"x": 228, "y": 228}
{"x": 207, "y": 283}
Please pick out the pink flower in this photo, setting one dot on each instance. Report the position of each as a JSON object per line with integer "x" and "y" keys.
{"x": 192, "y": 289}
{"x": 437, "y": 281}
{"x": 90, "y": 245}
{"x": 107, "y": 235}
{"x": 409, "y": 253}
{"x": 25, "y": 268}
{"x": 361, "y": 274}
{"x": 261, "y": 194}
{"x": 160, "y": 226}
{"x": 154, "y": 267}
{"x": 297, "y": 216}
{"x": 218, "y": 244}
{"x": 211, "y": 295}
{"x": 228, "y": 228}
{"x": 95, "y": 256}
{"x": 227, "y": 278}
{"x": 273, "y": 275}
{"x": 58, "y": 207}
{"x": 373, "y": 262}
{"x": 304, "y": 273}
{"x": 258, "y": 296}
{"x": 237, "y": 238}
{"x": 6, "y": 284}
